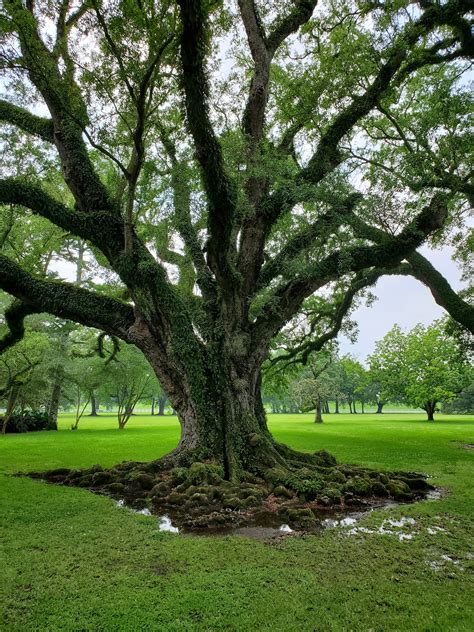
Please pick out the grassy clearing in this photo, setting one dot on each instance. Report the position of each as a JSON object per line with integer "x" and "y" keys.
{"x": 73, "y": 561}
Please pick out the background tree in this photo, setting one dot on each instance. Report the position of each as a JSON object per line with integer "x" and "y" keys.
{"x": 215, "y": 230}
{"x": 129, "y": 379}
{"x": 316, "y": 385}
{"x": 18, "y": 369}
{"x": 386, "y": 368}
{"x": 433, "y": 368}
{"x": 352, "y": 381}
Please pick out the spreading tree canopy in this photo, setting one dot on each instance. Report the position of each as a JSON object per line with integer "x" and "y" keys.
{"x": 230, "y": 166}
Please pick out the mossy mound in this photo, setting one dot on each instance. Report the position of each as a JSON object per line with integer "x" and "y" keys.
{"x": 198, "y": 496}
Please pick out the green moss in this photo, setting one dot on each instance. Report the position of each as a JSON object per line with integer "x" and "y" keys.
{"x": 116, "y": 488}
{"x": 281, "y": 490}
{"x": 336, "y": 476}
{"x": 399, "y": 490}
{"x": 358, "y": 486}
{"x": 161, "y": 489}
{"x": 250, "y": 501}
{"x": 200, "y": 473}
{"x": 103, "y": 478}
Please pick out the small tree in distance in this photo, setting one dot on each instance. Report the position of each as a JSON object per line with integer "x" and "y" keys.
{"x": 129, "y": 379}
{"x": 422, "y": 367}
{"x": 317, "y": 385}
{"x": 433, "y": 368}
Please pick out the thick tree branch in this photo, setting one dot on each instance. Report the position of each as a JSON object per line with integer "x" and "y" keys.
{"x": 420, "y": 268}
{"x": 300, "y": 14}
{"x": 441, "y": 290}
{"x": 99, "y": 228}
{"x": 220, "y": 190}
{"x": 286, "y": 300}
{"x": 67, "y": 108}
{"x": 305, "y": 238}
{"x": 15, "y": 315}
{"x": 41, "y": 127}
{"x": 64, "y": 300}
{"x": 263, "y": 50}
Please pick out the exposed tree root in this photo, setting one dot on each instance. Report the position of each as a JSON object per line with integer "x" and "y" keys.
{"x": 294, "y": 486}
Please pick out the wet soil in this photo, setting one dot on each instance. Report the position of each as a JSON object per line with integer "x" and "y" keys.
{"x": 198, "y": 500}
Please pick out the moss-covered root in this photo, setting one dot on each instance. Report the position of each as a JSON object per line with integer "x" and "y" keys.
{"x": 201, "y": 496}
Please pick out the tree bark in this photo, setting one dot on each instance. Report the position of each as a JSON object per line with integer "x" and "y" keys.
{"x": 224, "y": 419}
{"x": 430, "y": 407}
{"x": 336, "y": 411}
{"x": 94, "y": 406}
{"x": 161, "y": 405}
{"x": 318, "y": 419}
{"x": 380, "y": 405}
{"x": 12, "y": 397}
{"x": 53, "y": 407}
{"x": 152, "y": 406}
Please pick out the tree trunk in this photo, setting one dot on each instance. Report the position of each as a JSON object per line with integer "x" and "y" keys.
{"x": 380, "y": 405}
{"x": 53, "y": 407}
{"x": 94, "y": 406}
{"x": 152, "y": 406}
{"x": 12, "y": 397}
{"x": 221, "y": 413}
{"x": 430, "y": 407}
{"x": 318, "y": 419}
{"x": 354, "y": 407}
{"x": 336, "y": 411}
{"x": 350, "y": 407}
{"x": 161, "y": 405}
{"x": 362, "y": 404}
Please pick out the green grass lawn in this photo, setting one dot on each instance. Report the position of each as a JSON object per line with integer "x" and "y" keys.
{"x": 74, "y": 561}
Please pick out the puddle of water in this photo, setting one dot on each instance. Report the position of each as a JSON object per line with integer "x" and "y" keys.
{"x": 443, "y": 563}
{"x": 434, "y": 494}
{"x": 164, "y": 524}
{"x": 268, "y": 525}
{"x": 388, "y": 527}
{"x": 400, "y": 523}
{"x": 435, "y": 530}
{"x": 143, "y": 512}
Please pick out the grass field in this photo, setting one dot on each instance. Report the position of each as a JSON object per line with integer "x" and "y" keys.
{"x": 74, "y": 561}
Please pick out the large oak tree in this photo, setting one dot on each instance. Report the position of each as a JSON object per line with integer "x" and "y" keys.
{"x": 325, "y": 149}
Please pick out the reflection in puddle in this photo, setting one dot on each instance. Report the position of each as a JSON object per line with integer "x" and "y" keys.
{"x": 444, "y": 562}
{"x": 435, "y": 494}
{"x": 164, "y": 524}
{"x": 388, "y": 527}
{"x": 267, "y": 525}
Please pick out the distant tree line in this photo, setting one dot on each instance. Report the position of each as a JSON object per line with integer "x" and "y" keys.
{"x": 59, "y": 365}
{"x": 425, "y": 368}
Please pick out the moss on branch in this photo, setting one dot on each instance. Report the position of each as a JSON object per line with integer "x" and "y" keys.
{"x": 41, "y": 127}
{"x": 64, "y": 300}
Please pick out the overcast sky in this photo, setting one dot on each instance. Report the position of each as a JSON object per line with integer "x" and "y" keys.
{"x": 401, "y": 300}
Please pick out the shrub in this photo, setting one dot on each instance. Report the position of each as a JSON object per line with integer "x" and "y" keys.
{"x": 29, "y": 421}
